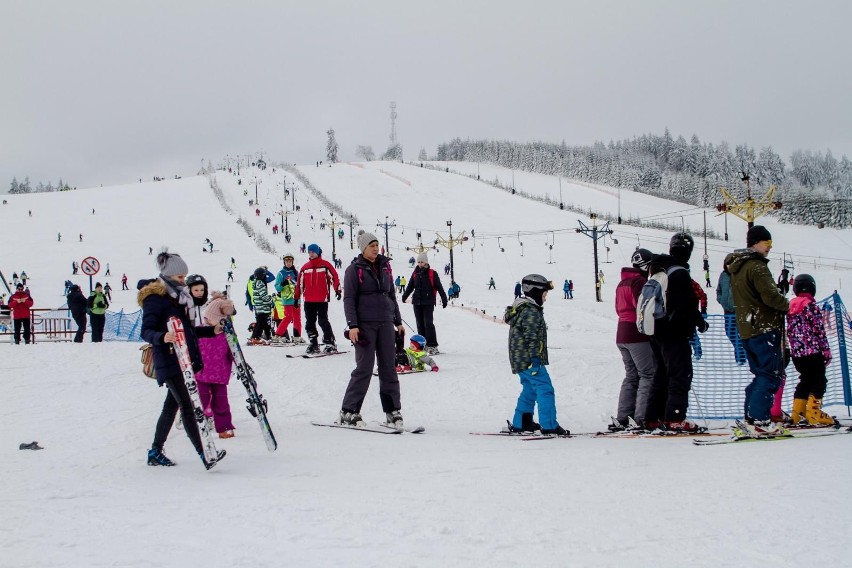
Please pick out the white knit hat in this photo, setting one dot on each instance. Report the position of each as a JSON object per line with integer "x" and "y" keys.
{"x": 364, "y": 239}
{"x": 423, "y": 257}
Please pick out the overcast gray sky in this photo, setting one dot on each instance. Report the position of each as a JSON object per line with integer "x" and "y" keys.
{"x": 108, "y": 92}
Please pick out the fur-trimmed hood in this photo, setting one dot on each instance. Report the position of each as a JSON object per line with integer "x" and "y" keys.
{"x": 153, "y": 287}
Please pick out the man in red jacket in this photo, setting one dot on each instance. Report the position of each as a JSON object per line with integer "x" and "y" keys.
{"x": 317, "y": 279}
{"x": 20, "y": 303}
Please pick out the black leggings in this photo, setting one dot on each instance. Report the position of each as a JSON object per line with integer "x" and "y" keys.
{"x": 811, "y": 376}
{"x": 177, "y": 398}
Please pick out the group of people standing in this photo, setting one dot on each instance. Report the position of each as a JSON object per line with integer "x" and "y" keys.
{"x": 176, "y": 294}
{"x": 658, "y": 367}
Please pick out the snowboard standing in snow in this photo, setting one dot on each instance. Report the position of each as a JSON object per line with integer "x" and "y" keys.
{"x": 255, "y": 402}
{"x": 205, "y": 428}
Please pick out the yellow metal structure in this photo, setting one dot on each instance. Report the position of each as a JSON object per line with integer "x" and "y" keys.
{"x": 750, "y": 209}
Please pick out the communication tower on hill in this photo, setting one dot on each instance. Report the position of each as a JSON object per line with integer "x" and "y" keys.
{"x": 393, "y": 116}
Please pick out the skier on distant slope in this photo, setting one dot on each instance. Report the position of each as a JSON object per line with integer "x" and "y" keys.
{"x": 162, "y": 298}
{"x": 372, "y": 313}
{"x": 528, "y": 357}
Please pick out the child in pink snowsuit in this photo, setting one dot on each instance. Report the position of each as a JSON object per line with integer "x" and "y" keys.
{"x": 213, "y": 379}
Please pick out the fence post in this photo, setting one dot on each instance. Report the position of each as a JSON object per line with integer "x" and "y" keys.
{"x": 839, "y": 313}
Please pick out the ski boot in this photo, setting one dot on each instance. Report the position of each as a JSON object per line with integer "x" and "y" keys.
{"x": 617, "y": 425}
{"x": 527, "y": 424}
{"x": 815, "y": 415}
{"x": 330, "y": 347}
{"x": 348, "y": 418}
{"x": 557, "y": 431}
{"x": 313, "y": 348}
{"x": 800, "y": 407}
{"x": 682, "y": 427}
{"x": 157, "y": 457}
{"x": 394, "y": 419}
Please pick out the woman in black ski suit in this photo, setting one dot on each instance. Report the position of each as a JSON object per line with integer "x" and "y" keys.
{"x": 162, "y": 298}
{"x": 77, "y": 304}
{"x": 424, "y": 287}
{"x": 369, "y": 302}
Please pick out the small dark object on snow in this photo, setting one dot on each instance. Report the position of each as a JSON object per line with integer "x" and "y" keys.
{"x": 30, "y": 446}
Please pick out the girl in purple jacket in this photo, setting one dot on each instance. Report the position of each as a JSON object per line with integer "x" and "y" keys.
{"x": 216, "y": 355}
{"x": 810, "y": 351}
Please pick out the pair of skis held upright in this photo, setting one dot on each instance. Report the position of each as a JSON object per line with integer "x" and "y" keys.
{"x": 255, "y": 403}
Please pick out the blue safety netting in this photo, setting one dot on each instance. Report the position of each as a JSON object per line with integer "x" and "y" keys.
{"x": 120, "y": 326}
{"x": 721, "y": 373}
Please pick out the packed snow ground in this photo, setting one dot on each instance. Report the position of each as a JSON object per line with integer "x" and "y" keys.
{"x": 336, "y": 497}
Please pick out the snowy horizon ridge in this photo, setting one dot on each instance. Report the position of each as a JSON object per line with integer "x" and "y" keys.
{"x": 445, "y": 498}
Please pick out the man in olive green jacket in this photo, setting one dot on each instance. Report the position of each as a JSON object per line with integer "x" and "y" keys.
{"x": 760, "y": 310}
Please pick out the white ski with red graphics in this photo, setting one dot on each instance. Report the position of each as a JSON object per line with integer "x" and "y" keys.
{"x": 211, "y": 455}
{"x": 255, "y": 402}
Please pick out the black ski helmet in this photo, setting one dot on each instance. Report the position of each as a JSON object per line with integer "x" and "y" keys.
{"x": 681, "y": 241}
{"x": 535, "y": 282}
{"x": 260, "y": 273}
{"x": 194, "y": 279}
{"x": 641, "y": 258}
{"x": 804, "y": 283}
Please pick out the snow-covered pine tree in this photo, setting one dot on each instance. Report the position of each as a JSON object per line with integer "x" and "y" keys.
{"x": 332, "y": 147}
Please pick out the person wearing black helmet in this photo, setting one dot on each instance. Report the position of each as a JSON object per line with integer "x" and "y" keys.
{"x": 635, "y": 347}
{"x": 810, "y": 351}
{"x": 670, "y": 342}
{"x": 528, "y": 357}
{"x": 262, "y": 303}
{"x": 760, "y": 309}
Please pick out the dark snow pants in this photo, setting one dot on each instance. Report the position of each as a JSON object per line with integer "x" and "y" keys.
{"x": 177, "y": 399}
{"x": 375, "y": 341}
{"x": 98, "y": 324}
{"x": 318, "y": 311}
{"x": 672, "y": 381}
{"x": 423, "y": 315}
{"x": 80, "y": 320}
{"x": 18, "y": 324}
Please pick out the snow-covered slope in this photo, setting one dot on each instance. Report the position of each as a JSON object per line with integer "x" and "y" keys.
{"x": 336, "y": 497}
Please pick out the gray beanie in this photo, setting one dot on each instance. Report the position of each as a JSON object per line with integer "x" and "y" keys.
{"x": 423, "y": 257}
{"x": 171, "y": 264}
{"x": 364, "y": 239}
